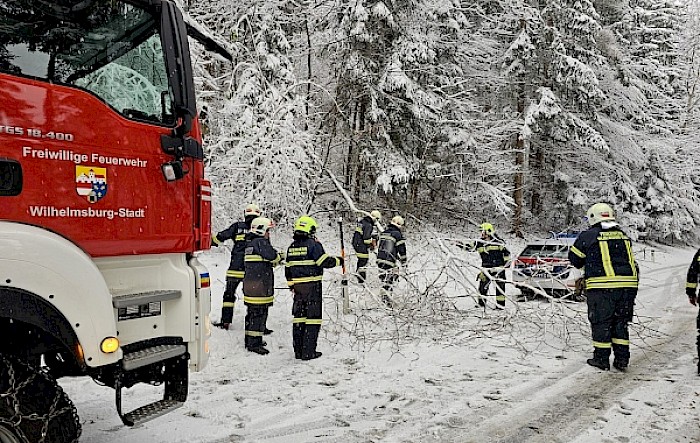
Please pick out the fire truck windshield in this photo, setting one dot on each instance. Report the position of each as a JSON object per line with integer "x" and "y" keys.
{"x": 110, "y": 48}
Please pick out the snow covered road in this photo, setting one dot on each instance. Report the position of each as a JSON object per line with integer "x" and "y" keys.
{"x": 441, "y": 389}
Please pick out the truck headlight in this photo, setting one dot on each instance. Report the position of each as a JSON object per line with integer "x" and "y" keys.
{"x": 109, "y": 345}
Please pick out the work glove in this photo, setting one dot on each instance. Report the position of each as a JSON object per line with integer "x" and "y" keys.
{"x": 692, "y": 297}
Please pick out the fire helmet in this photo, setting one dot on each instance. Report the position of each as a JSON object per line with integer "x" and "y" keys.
{"x": 252, "y": 209}
{"x": 260, "y": 225}
{"x": 600, "y": 212}
{"x": 487, "y": 228}
{"x": 305, "y": 225}
{"x": 397, "y": 221}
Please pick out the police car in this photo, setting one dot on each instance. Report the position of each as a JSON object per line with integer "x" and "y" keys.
{"x": 544, "y": 265}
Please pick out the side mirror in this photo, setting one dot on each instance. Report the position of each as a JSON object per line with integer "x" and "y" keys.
{"x": 178, "y": 65}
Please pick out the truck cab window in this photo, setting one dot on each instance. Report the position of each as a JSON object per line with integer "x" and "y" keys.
{"x": 111, "y": 49}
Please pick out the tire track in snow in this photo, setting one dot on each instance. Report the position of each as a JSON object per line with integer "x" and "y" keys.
{"x": 573, "y": 403}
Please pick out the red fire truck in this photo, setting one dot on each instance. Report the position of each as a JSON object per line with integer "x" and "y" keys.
{"x": 103, "y": 209}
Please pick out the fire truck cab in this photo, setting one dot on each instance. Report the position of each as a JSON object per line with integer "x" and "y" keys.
{"x": 103, "y": 210}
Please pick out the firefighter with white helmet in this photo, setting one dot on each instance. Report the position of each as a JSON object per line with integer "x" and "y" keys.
{"x": 494, "y": 258}
{"x": 258, "y": 283}
{"x": 305, "y": 262}
{"x": 237, "y": 233}
{"x": 391, "y": 253}
{"x": 362, "y": 242}
{"x": 611, "y": 282}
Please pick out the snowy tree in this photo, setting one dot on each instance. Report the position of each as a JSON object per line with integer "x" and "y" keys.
{"x": 397, "y": 79}
{"x": 258, "y": 151}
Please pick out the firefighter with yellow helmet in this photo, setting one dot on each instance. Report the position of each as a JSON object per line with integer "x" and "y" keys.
{"x": 494, "y": 258}
{"x": 305, "y": 261}
{"x": 236, "y": 269}
{"x": 611, "y": 282}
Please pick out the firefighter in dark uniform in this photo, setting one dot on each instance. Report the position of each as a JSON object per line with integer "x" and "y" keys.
{"x": 691, "y": 289}
{"x": 611, "y": 282}
{"x": 362, "y": 242}
{"x": 258, "y": 283}
{"x": 494, "y": 258}
{"x": 236, "y": 232}
{"x": 304, "y": 266}
{"x": 391, "y": 253}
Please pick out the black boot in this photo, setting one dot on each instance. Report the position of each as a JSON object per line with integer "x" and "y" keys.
{"x": 387, "y": 301}
{"x": 259, "y": 350}
{"x": 620, "y": 364}
{"x": 312, "y": 356}
{"x": 599, "y": 363}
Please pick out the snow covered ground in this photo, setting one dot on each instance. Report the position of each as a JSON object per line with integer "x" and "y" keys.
{"x": 435, "y": 369}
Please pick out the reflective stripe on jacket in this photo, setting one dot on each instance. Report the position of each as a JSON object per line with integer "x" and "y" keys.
{"x": 493, "y": 252}
{"x": 305, "y": 261}
{"x": 259, "y": 280}
{"x": 236, "y": 232}
{"x": 607, "y": 256}
{"x": 392, "y": 248}
{"x": 362, "y": 237}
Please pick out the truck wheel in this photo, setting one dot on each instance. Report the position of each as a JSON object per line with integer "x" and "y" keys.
{"x": 33, "y": 407}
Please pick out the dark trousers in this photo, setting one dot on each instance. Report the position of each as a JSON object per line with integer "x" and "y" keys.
{"x": 307, "y": 311}
{"x": 362, "y": 268}
{"x": 229, "y": 299}
{"x": 255, "y": 321}
{"x": 698, "y": 341}
{"x": 388, "y": 277}
{"x": 609, "y": 311}
{"x": 485, "y": 278}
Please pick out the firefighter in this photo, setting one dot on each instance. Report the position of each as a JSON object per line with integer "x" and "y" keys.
{"x": 363, "y": 242}
{"x": 691, "y": 289}
{"x": 391, "y": 254}
{"x": 236, "y": 232}
{"x": 258, "y": 283}
{"x": 611, "y": 282}
{"x": 494, "y": 259}
{"x": 305, "y": 261}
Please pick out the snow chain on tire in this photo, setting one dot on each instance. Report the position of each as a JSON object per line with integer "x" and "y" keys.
{"x": 34, "y": 406}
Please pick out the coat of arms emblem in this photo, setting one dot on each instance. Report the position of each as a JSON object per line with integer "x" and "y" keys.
{"x": 91, "y": 182}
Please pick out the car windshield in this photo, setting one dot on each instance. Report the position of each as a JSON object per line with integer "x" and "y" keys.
{"x": 546, "y": 251}
{"x": 113, "y": 49}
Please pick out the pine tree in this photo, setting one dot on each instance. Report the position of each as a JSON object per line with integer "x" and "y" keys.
{"x": 259, "y": 151}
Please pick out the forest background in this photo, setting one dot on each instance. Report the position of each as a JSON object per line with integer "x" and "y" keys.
{"x": 519, "y": 112}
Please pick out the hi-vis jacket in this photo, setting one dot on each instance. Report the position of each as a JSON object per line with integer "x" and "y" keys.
{"x": 235, "y": 232}
{"x": 305, "y": 261}
{"x": 691, "y": 284}
{"x": 259, "y": 281}
{"x": 362, "y": 238}
{"x": 392, "y": 248}
{"x": 606, "y": 253}
{"x": 493, "y": 252}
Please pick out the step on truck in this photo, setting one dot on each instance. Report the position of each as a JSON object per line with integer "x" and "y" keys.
{"x": 103, "y": 210}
